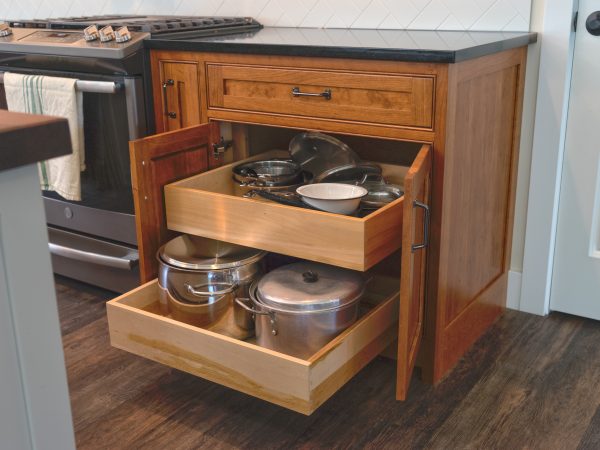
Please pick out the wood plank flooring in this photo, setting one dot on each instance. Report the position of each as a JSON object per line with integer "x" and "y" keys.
{"x": 530, "y": 382}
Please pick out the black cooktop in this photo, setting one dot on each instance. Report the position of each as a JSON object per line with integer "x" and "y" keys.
{"x": 181, "y": 26}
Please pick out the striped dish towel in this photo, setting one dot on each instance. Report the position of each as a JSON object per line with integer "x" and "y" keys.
{"x": 52, "y": 96}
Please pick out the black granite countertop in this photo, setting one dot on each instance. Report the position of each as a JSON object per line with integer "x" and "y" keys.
{"x": 28, "y": 138}
{"x": 395, "y": 45}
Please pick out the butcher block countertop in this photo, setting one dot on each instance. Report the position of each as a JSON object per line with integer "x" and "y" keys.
{"x": 393, "y": 45}
{"x": 29, "y": 138}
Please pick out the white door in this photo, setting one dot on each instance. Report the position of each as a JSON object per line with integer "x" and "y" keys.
{"x": 576, "y": 274}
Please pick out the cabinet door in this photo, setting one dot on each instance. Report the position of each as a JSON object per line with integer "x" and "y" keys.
{"x": 155, "y": 161}
{"x": 180, "y": 95}
{"x": 415, "y": 235}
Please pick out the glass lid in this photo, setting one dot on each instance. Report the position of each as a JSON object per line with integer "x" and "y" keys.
{"x": 199, "y": 253}
{"x": 309, "y": 286}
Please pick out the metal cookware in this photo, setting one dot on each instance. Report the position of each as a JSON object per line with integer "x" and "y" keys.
{"x": 199, "y": 278}
{"x": 300, "y": 307}
{"x": 268, "y": 173}
{"x": 379, "y": 193}
{"x": 246, "y": 189}
{"x": 328, "y": 158}
{"x": 284, "y": 198}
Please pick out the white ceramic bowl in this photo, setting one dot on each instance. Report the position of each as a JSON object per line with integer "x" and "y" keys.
{"x": 332, "y": 197}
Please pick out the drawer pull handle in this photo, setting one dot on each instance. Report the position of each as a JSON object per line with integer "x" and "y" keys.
{"x": 165, "y": 85}
{"x": 326, "y": 94}
{"x": 425, "y": 243}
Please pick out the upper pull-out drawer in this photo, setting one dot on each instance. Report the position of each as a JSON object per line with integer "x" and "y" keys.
{"x": 211, "y": 204}
{"x": 384, "y": 99}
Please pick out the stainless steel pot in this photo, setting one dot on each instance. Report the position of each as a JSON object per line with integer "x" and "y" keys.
{"x": 268, "y": 173}
{"x": 300, "y": 307}
{"x": 199, "y": 278}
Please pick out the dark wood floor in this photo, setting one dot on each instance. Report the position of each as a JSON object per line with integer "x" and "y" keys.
{"x": 530, "y": 382}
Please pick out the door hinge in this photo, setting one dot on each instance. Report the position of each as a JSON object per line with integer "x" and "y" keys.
{"x": 221, "y": 147}
{"x": 575, "y": 20}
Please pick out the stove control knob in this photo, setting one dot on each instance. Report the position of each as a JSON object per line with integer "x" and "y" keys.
{"x": 91, "y": 33}
{"x": 4, "y": 30}
{"x": 122, "y": 35}
{"x": 107, "y": 34}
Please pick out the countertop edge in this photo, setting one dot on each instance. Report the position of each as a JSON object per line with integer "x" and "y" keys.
{"x": 366, "y": 53}
{"x": 28, "y": 138}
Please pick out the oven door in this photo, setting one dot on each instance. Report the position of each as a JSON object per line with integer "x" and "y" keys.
{"x": 106, "y": 211}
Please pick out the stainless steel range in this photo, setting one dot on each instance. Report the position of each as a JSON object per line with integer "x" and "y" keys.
{"x": 94, "y": 240}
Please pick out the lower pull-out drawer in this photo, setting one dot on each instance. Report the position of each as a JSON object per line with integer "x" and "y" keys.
{"x": 136, "y": 325}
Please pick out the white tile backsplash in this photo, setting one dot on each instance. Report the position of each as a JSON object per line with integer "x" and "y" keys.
{"x": 385, "y": 14}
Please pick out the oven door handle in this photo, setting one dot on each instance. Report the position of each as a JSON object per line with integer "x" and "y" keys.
{"x": 127, "y": 262}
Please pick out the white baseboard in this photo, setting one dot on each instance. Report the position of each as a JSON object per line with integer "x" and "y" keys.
{"x": 513, "y": 295}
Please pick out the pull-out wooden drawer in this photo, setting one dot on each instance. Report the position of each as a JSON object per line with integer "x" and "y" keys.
{"x": 211, "y": 205}
{"x": 207, "y": 205}
{"x": 137, "y": 326}
{"x": 384, "y": 99}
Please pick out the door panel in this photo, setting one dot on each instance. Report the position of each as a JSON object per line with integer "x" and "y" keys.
{"x": 156, "y": 161}
{"x": 180, "y": 94}
{"x": 412, "y": 282}
{"x": 576, "y": 273}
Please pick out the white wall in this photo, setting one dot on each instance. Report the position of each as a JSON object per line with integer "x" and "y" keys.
{"x": 412, "y": 14}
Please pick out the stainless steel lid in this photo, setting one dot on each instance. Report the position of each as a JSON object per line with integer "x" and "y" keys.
{"x": 328, "y": 158}
{"x": 308, "y": 286}
{"x": 199, "y": 253}
{"x": 321, "y": 154}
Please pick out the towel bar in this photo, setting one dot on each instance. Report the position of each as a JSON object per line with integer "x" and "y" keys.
{"x": 98, "y": 87}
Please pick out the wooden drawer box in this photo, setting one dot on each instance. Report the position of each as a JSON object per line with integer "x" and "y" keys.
{"x": 210, "y": 205}
{"x": 384, "y": 99}
{"x": 301, "y": 385}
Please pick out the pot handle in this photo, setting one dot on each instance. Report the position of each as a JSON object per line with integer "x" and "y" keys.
{"x": 193, "y": 291}
{"x": 271, "y": 314}
{"x": 250, "y": 310}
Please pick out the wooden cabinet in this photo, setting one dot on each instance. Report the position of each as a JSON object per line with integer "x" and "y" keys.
{"x": 455, "y": 129}
{"x": 177, "y": 94}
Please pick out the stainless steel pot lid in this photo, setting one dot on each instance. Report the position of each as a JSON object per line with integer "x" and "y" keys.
{"x": 321, "y": 154}
{"x": 309, "y": 286}
{"x": 199, "y": 253}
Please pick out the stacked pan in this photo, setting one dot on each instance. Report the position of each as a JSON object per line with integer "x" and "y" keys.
{"x": 338, "y": 180}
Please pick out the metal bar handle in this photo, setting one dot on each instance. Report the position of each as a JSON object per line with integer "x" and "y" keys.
{"x": 426, "y": 220}
{"x": 97, "y": 87}
{"x": 128, "y": 262}
{"x": 193, "y": 290}
{"x": 326, "y": 94}
{"x": 250, "y": 310}
{"x": 165, "y": 85}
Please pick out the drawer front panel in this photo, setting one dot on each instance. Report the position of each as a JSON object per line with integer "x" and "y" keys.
{"x": 396, "y": 100}
{"x": 298, "y": 384}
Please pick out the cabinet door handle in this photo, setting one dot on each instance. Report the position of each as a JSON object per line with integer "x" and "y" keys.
{"x": 326, "y": 94}
{"x": 425, "y": 244}
{"x": 165, "y": 85}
